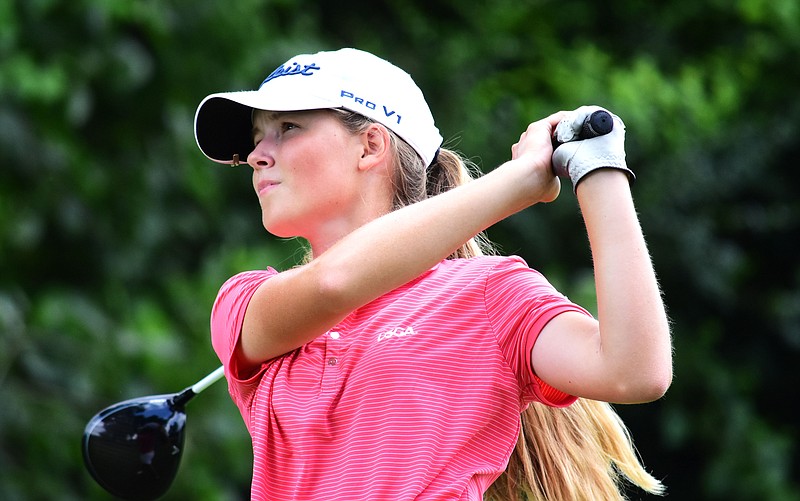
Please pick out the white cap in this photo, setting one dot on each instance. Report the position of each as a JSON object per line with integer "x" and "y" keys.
{"x": 346, "y": 78}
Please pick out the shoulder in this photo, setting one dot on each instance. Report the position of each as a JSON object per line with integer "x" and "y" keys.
{"x": 243, "y": 283}
{"x": 482, "y": 278}
{"x": 246, "y": 279}
{"x": 489, "y": 269}
{"x": 228, "y": 311}
{"x": 479, "y": 264}
{"x": 235, "y": 293}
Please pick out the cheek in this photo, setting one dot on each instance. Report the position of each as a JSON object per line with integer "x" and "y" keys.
{"x": 322, "y": 175}
{"x": 314, "y": 186}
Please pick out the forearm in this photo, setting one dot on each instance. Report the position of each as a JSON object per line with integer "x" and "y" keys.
{"x": 634, "y": 331}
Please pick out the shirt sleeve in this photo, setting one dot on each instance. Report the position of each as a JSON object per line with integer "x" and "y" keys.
{"x": 520, "y": 302}
{"x": 227, "y": 317}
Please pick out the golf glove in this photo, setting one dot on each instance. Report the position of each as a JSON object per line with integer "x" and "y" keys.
{"x": 575, "y": 158}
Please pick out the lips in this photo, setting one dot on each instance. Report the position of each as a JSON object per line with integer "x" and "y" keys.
{"x": 265, "y": 185}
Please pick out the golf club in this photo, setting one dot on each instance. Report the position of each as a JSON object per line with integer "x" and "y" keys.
{"x": 133, "y": 448}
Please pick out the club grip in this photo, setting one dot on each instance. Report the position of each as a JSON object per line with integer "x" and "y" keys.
{"x": 598, "y": 123}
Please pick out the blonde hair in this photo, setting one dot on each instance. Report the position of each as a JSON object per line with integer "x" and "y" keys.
{"x": 579, "y": 452}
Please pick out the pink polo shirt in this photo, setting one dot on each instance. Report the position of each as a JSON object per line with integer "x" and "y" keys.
{"x": 416, "y": 395}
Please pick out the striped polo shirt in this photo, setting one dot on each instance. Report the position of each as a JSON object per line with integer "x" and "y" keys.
{"x": 416, "y": 395}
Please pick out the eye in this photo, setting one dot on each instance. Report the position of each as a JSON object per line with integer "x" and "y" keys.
{"x": 256, "y": 136}
{"x": 287, "y": 126}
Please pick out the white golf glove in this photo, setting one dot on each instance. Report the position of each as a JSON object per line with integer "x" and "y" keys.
{"x": 576, "y": 158}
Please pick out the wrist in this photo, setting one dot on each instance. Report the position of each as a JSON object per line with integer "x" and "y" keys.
{"x": 602, "y": 173}
{"x": 604, "y": 181}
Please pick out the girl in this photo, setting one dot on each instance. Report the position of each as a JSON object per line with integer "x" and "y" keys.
{"x": 402, "y": 360}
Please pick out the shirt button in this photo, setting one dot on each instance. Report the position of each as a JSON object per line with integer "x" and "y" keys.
{"x": 332, "y": 361}
{"x": 334, "y": 335}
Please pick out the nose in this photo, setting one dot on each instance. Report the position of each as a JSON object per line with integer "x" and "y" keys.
{"x": 260, "y": 157}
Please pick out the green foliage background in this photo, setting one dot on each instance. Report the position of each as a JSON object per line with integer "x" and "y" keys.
{"x": 115, "y": 232}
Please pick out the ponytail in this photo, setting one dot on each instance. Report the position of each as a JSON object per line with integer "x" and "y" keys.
{"x": 447, "y": 171}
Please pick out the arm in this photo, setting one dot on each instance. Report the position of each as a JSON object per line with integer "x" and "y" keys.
{"x": 296, "y": 306}
{"x": 625, "y": 356}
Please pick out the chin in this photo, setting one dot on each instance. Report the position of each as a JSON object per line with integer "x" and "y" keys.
{"x": 280, "y": 231}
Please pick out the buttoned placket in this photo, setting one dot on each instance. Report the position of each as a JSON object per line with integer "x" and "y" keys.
{"x": 334, "y": 350}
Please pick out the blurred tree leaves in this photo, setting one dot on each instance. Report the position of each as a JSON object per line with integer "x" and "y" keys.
{"x": 115, "y": 232}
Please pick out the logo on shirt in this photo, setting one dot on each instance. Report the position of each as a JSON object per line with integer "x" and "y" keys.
{"x": 396, "y": 332}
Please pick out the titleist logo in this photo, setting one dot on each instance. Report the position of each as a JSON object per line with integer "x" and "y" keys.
{"x": 292, "y": 69}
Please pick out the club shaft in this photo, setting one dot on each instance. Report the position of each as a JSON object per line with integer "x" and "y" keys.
{"x": 182, "y": 398}
{"x": 208, "y": 380}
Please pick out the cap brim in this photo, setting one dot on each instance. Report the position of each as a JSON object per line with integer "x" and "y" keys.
{"x": 223, "y": 124}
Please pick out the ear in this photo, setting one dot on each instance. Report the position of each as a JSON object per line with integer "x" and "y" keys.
{"x": 376, "y": 146}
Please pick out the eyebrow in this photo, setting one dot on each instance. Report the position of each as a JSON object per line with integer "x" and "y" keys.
{"x": 270, "y": 116}
{"x": 275, "y": 116}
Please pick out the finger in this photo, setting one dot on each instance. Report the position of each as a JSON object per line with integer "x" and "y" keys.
{"x": 538, "y": 135}
{"x": 554, "y": 119}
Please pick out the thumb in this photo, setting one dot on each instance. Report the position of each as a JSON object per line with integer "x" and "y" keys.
{"x": 562, "y": 156}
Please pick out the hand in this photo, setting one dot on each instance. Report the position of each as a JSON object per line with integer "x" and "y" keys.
{"x": 576, "y": 159}
{"x": 534, "y": 150}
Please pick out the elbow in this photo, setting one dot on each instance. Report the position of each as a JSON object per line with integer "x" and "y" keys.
{"x": 655, "y": 387}
{"x": 646, "y": 385}
{"x": 660, "y": 371}
{"x": 646, "y": 377}
{"x": 650, "y": 375}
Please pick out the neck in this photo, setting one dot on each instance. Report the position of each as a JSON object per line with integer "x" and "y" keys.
{"x": 332, "y": 231}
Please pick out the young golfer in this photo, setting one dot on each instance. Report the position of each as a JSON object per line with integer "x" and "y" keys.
{"x": 404, "y": 360}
